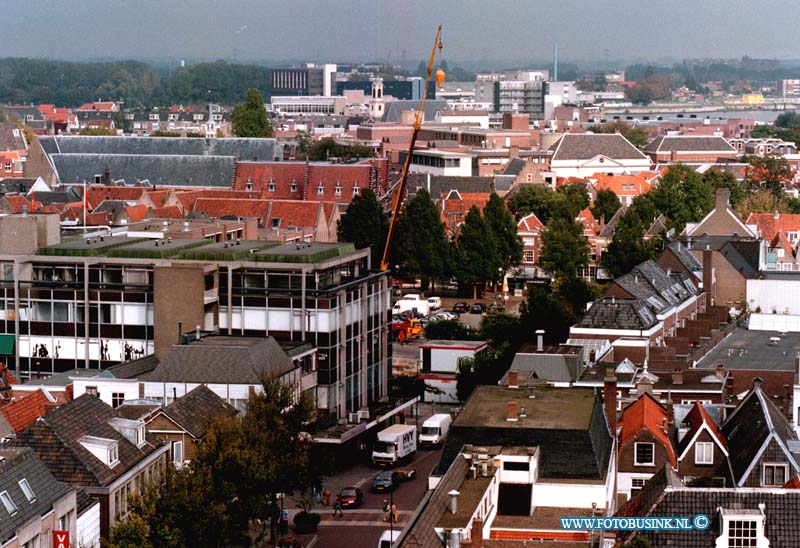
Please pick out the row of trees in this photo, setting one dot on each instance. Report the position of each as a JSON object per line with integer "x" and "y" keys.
{"x": 228, "y": 495}
{"x": 487, "y": 247}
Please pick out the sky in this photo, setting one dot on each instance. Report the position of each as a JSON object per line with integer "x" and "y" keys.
{"x": 362, "y": 30}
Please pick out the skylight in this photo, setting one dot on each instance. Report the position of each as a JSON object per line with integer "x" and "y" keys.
{"x": 26, "y": 489}
{"x": 11, "y": 508}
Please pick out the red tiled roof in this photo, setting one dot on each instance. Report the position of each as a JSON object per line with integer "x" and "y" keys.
{"x": 187, "y": 198}
{"x": 98, "y": 193}
{"x": 769, "y": 224}
{"x": 10, "y": 377}
{"x": 98, "y": 219}
{"x": 16, "y": 201}
{"x": 167, "y": 212}
{"x": 588, "y": 221}
{"x": 106, "y": 106}
{"x": 20, "y": 413}
{"x": 294, "y": 213}
{"x": 624, "y": 185}
{"x": 136, "y": 212}
{"x": 646, "y": 413}
{"x": 530, "y": 223}
{"x": 158, "y": 197}
{"x": 793, "y": 483}
{"x": 697, "y": 417}
{"x": 780, "y": 240}
{"x": 220, "y": 207}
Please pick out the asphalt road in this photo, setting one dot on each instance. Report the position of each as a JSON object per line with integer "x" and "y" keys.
{"x": 362, "y": 527}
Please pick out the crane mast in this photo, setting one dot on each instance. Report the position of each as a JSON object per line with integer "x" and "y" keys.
{"x": 401, "y": 187}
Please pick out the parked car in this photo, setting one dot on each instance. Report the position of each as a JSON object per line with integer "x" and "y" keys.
{"x": 460, "y": 308}
{"x": 385, "y": 482}
{"x": 350, "y": 497}
{"x": 435, "y": 303}
{"x": 477, "y": 308}
{"x": 288, "y": 542}
{"x": 496, "y": 307}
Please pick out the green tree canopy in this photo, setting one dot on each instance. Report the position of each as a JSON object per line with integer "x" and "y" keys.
{"x": 682, "y": 196}
{"x": 449, "y": 330}
{"x": 564, "y": 248}
{"x": 420, "y": 247}
{"x": 605, "y": 205}
{"x": 327, "y": 147}
{"x": 477, "y": 255}
{"x": 570, "y": 200}
{"x": 365, "y": 224}
{"x": 636, "y": 135}
{"x": 504, "y": 230}
{"x": 249, "y": 119}
{"x": 535, "y": 199}
{"x": 769, "y": 171}
{"x": 628, "y": 247}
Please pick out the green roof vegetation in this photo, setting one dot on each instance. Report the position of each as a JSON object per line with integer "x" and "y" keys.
{"x": 307, "y": 253}
{"x": 87, "y": 247}
{"x": 156, "y": 249}
{"x": 227, "y": 251}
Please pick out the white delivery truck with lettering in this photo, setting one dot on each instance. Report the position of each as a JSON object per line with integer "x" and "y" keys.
{"x": 394, "y": 444}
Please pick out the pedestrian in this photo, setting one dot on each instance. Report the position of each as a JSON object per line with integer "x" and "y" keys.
{"x": 394, "y": 516}
{"x": 284, "y": 521}
{"x": 337, "y": 509}
{"x": 385, "y": 510}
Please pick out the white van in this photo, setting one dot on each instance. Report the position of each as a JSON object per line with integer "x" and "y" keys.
{"x": 434, "y": 303}
{"x": 388, "y": 538}
{"x": 434, "y": 429}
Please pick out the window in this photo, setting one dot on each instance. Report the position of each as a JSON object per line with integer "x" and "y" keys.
{"x": 704, "y": 452}
{"x": 528, "y": 256}
{"x": 91, "y": 390}
{"x": 11, "y": 508}
{"x": 644, "y": 454}
{"x": 512, "y": 466}
{"x": 293, "y": 187}
{"x": 248, "y": 186}
{"x": 356, "y": 190}
{"x": 276, "y": 223}
{"x": 177, "y": 452}
{"x": 8, "y": 167}
{"x": 637, "y": 484}
{"x": 774, "y": 475}
{"x": 338, "y": 190}
{"x": 26, "y": 490}
{"x": 113, "y": 455}
{"x": 271, "y": 186}
{"x": 320, "y": 190}
{"x": 116, "y": 399}
{"x": 742, "y": 533}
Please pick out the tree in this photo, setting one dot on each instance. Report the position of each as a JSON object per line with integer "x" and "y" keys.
{"x": 532, "y": 199}
{"x": 628, "y": 246}
{"x": 249, "y": 119}
{"x": 482, "y": 369}
{"x": 605, "y": 205}
{"x": 769, "y": 171}
{"x": 477, "y": 255}
{"x": 636, "y": 135}
{"x": 303, "y": 141}
{"x": 420, "y": 246}
{"x": 449, "y": 330}
{"x": 365, "y": 224}
{"x": 99, "y": 131}
{"x": 504, "y": 230}
{"x": 763, "y": 201}
{"x": 715, "y": 179}
{"x": 649, "y": 89}
{"x": 328, "y": 148}
{"x": 545, "y": 311}
{"x": 682, "y": 196}
{"x": 564, "y": 248}
{"x": 570, "y": 201}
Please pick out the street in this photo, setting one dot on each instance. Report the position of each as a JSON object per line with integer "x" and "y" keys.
{"x": 362, "y": 527}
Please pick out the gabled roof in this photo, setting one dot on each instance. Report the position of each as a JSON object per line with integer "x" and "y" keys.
{"x": 647, "y": 414}
{"x": 780, "y": 240}
{"x": 55, "y": 439}
{"x": 682, "y": 253}
{"x": 25, "y": 410}
{"x": 193, "y": 411}
{"x": 21, "y": 464}
{"x": 624, "y": 185}
{"x": 586, "y": 218}
{"x": 750, "y": 428}
{"x": 623, "y": 314}
{"x": 769, "y": 224}
{"x": 573, "y": 146}
{"x": 743, "y": 255}
{"x": 683, "y": 143}
{"x": 514, "y": 166}
{"x": 530, "y": 223}
{"x": 699, "y": 420}
{"x": 223, "y": 360}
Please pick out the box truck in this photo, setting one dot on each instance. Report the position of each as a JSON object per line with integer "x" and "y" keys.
{"x": 412, "y": 302}
{"x": 434, "y": 429}
{"x": 394, "y": 444}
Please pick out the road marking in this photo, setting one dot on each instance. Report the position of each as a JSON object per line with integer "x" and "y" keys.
{"x": 312, "y": 542}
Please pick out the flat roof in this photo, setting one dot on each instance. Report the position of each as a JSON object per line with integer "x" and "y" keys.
{"x": 454, "y": 344}
{"x": 156, "y": 248}
{"x": 764, "y": 350}
{"x": 61, "y": 379}
{"x": 227, "y": 251}
{"x": 87, "y": 247}
{"x": 471, "y": 491}
{"x": 307, "y": 252}
{"x": 549, "y": 408}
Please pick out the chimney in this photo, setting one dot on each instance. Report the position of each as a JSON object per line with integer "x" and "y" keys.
{"x": 453, "y": 501}
{"x": 673, "y": 156}
{"x": 708, "y": 277}
{"x": 610, "y": 399}
{"x": 513, "y": 379}
{"x": 477, "y": 533}
{"x": 670, "y": 411}
{"x": 723, "y": 198}
{"x": 720, "y": 372}
{"x": 677, "y": 376}
{"x": 180, "y": 332}
{"x": 757, "y": 382}
{"x": 513, "y": 152}
{"x": 512, "y": 415}
{"x": 197, "y": 333}
{"x": 776, "y": 215}
{"x": 540, "y": 340}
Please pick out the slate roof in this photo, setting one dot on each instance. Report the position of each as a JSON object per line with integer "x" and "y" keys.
{"x": 223, "y": 360}
{"x": 16, "y": 184}
{"x": 683, "y": 143}
{"x": 568, "y": 425}
{"x": 665, "y": 495}
{"x": 743, "y": 256}
{"x": 394, "y": 108}
{"x": 573, "y": 146}
{"x": 607, "y": 231}
{"x": 11, "y": 137}
{"x": 514, "y": 166}
{"x": 19, "y": 464}
{"x": 685, "y": 256}
{"x": 650, "y": 283}
{"x": 53, "y": 197}
{"x": 610, "y": 313}
{"x": 55, "y": 437}
{"x": 193, "y": 411}
{"x": 753, "y": 423}
{"x": 444, "y": 183}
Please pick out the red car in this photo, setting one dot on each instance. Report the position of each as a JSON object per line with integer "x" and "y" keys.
{"x": 350, "y": 497}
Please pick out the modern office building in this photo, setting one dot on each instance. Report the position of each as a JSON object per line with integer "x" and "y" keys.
{"x": 93, "y": 302}
{"x": 403, "y": 90}
{"x": 308, "y": 80}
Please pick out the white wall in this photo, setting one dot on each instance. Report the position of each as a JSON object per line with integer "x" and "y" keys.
{"x": 781, "y": 296}
{"x": 88, "y": 528}
{"x": 569, "y": 495}
{"x": 106, "y": 387}
{"x": 445, "y": 360}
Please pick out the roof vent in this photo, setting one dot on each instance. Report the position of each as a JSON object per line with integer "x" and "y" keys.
{"x": 453, "y": 501}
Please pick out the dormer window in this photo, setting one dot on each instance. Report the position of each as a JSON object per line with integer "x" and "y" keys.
{"x": 742, "y": 528}
{"x": 320, "y": 190}
{"x": 645, "y": 454}
{"x": 338, "y": 190}
{"x": 11, "y": 508}
{"x": 704, "y": 452}
{"x": 113, "y": 455}
{"x": 356, "y": 190}
{"x": 103, "y": 449}
{"x": 271, "y": 186}
{"x": 294, "y": 186}
{"x": 27, "y": 490}
{"x": 154, "y": 117}
{"x": 276, "y": 223}
{"x": 248, "y": 186}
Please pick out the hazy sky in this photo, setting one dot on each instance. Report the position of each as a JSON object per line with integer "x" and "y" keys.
{"x": 347, "y": 30}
